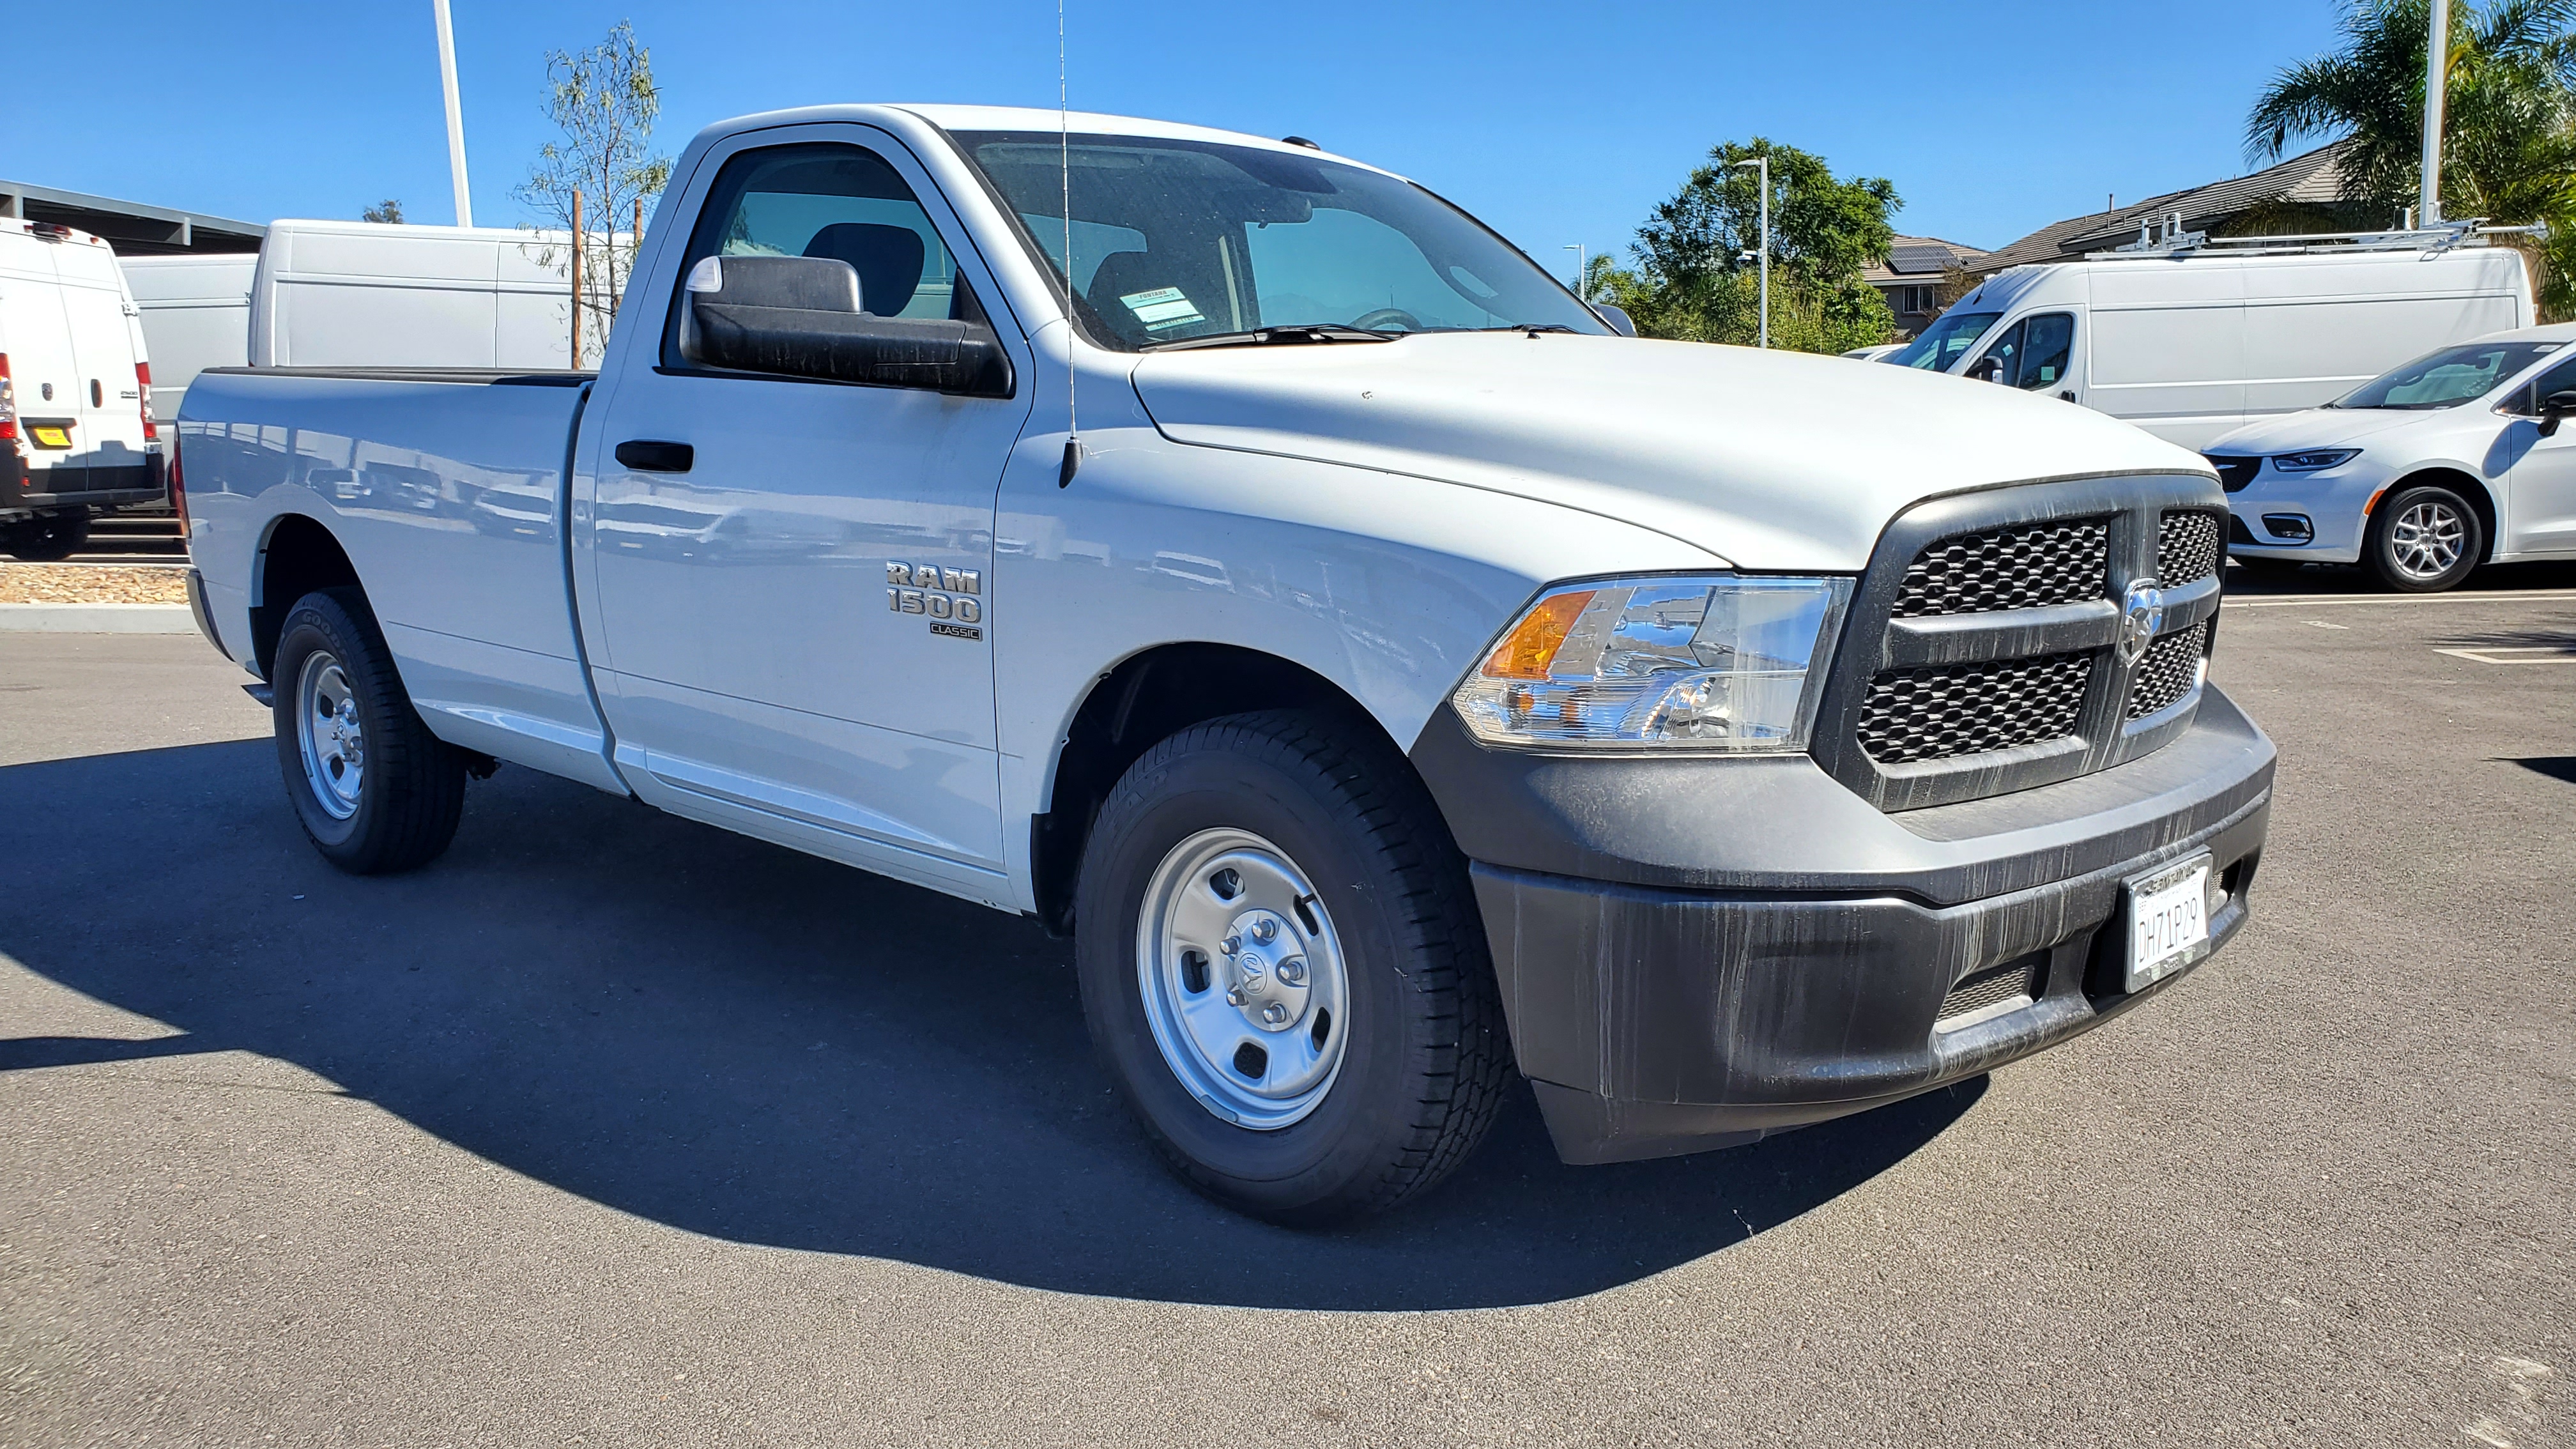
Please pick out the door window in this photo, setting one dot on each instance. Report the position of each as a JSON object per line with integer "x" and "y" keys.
{"x": 835, "y": 200}
{"x": 2034, "y": 352}
{"x": 2561, "y": 378}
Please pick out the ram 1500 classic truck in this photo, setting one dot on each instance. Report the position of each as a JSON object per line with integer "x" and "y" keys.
{"x": 1390, "y": 675}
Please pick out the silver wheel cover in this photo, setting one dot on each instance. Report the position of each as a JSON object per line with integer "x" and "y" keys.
{"x": 2426, "y": 540}
{"x": 329, "y": 736}
{"x": 1243, "y": 979}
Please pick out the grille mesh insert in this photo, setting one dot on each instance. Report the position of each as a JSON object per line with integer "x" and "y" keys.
{"x": 2008, "y": 568}
{"x": 1940, "y": 711}
{"x": 1981, "y": 989}
{"x": 2186, "y": 548}
{"x": 2235, "y": 474}
{"x": 2169, "y": 670}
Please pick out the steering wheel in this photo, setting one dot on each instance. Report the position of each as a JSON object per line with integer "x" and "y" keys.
{"x": 1385, "y": 317}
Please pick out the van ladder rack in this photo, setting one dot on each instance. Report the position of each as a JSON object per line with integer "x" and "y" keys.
{"x": 2172, "y": 241}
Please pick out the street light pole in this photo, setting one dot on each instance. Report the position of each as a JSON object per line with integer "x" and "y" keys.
{"x": 2437, "y": 73}
{"x": 455, "y": 114}
{"x": 1763, "y": 294}
{"x": 1582, "y": 270}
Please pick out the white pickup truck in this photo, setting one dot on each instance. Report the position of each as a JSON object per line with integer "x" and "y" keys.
{"x": 1390, "y": 675}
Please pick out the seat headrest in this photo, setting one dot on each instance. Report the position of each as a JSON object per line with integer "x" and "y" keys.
{"x": 887, "y": 258}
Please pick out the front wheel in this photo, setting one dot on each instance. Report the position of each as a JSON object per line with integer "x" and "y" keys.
{"x": 1283, "y": 968}
{"x": 374, "y": 789}
{"x": 2424, "y": 540}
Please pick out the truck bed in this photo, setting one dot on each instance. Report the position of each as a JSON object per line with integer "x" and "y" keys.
{"x": 447, "y": 489}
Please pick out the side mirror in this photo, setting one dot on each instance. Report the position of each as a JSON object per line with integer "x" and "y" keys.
{"x": 804, "y": 317}
{"x": 1988, "y": 368}
{"x": 1619, "y": 320}
{"x": 2555, "y": 409}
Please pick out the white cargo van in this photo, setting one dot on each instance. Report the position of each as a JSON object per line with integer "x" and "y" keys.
{"x": 365, "y": 294}
{"x": 76, "y": 431}
{"x": 2193, "y": 341}
{"x": 195, "y": 314}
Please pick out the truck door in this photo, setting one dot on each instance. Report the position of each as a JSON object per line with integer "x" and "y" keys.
{"x": 791, "y": 598}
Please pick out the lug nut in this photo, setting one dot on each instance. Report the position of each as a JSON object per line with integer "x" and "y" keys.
{"x": 1230, "y": 945}
{"x": 1265, "y": 929}
{"x": 1274, "y": 1013}
{"x": 1293, "y": 970}
{"x": 1234, "y": 996}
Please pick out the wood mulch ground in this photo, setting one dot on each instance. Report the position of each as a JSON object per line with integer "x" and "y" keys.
{"x": 69, "y": 583}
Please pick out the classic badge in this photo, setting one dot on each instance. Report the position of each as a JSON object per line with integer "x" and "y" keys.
{"x": 950, "y": 598}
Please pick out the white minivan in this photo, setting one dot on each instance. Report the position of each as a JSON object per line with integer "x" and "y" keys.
{"x": 76, "y": 428}
{"x": 2196, "y": 342}
{"x": 368, "y": 294}
{"x": 195, "y": 313}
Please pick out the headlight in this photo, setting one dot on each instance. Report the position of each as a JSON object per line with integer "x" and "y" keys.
{"x": 1691, "y": 663}
{"x": 2316, "y": 460}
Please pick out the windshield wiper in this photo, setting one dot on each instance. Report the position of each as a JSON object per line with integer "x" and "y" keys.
{"x": 1532, "y": 328}
{"x": 1303, "y": 332}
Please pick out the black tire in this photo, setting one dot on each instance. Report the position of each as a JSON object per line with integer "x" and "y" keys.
{"x": 410, "y": 787}
{"x": 46, "y": 538}
{"x": 2394, "y": 552}
{"x": 1426, "y": 1058}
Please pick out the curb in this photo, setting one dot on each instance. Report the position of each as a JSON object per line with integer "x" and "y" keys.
{"x": 96, "y": 619}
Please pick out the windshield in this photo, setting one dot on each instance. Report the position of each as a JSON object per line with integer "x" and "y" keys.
{"x": 2447, "y": 378}
{"x": 1174, "y": 240}
{"x": 1941, "y": 343}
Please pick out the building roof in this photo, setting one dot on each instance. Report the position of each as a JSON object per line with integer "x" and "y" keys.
{"x": 1921, "y": 259}
{"x": 131, "y": 227}
{"x": 2316, "y": 178}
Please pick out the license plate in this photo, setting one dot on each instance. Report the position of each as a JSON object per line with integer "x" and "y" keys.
{"x": 46, "y": 437}
{"x": 2168, "y": 921}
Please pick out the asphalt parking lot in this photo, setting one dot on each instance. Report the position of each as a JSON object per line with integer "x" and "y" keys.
{"x": 613, "y": 1129}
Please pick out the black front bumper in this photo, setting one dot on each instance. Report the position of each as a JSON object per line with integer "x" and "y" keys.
{"x": 1694, "y": 953}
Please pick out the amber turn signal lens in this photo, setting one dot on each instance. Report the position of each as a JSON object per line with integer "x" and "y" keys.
{"x": 1526, "y": 652}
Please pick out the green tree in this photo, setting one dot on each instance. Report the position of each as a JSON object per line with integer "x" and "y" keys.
{"x": 1695, "y": 278}
{"x": 605, "y": 101}
{"x": 387, "y": 210}
{"x": 2509, "y": 117}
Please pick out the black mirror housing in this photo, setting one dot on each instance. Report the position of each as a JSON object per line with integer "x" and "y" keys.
{"x": 802, "y": 317}
{"x": 1986, "y": 369}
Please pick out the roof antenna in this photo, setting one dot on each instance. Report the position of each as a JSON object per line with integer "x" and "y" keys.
{"x": 1064, "y": 172}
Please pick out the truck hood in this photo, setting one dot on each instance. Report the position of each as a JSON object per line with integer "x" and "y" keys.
{"x": 1773, "y": 460}
{"x": 2323, "y": 428}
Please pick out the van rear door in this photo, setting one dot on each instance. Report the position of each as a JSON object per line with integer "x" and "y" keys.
{"x": 109, "y": 396}
{"x": 43, "y": 375}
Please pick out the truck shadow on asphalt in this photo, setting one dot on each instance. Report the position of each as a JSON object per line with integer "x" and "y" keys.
{"x": 743, "y": 1042}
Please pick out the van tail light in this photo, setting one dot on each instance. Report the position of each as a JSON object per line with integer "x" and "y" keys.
{"x": 8, "y": 404}
{"x": 143, "y": 387}
{"x": 178, "y": 490}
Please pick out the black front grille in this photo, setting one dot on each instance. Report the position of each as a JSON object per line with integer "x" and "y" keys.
{"x": 2235, "y": 473}
{"x": 2169, "y": 670}
{"x": 2008, "y": 568}
{"x": 2187, "y": 548}
{"x": 1980, "y": 989}
{"x": 1936, "y": 712}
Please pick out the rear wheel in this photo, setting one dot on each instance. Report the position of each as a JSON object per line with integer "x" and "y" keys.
{"x": 46, "y": 538}
{"x": 1283, "y": 968}
{"x": 375, "y": 790}
{"x": 2424, "y": 539}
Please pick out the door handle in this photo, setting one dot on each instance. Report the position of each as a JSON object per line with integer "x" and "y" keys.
{"x": 647, "y": 455}
{"x": 2067, "y": 396}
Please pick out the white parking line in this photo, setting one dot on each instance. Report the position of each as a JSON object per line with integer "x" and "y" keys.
{"x": 2520, "y": 654}
{"x": 2498, "y": 596}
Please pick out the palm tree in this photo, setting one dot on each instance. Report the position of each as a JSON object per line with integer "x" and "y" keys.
{"x": 2509, "y": 124}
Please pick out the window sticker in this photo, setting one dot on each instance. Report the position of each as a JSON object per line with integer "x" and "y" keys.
{"x": 1162, "y": 308}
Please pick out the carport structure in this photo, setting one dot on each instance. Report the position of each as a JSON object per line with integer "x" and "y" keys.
{"x": 132, "y": 228}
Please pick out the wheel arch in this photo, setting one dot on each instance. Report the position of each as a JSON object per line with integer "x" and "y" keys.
{"x": 1143, "y": 699}
{"x": 298, "y": 555}
{"x": 2468, "y": 485}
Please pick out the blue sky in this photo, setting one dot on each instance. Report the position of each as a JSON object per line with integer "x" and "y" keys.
{"x": 1556, "y": 123}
